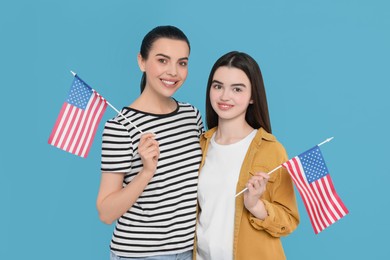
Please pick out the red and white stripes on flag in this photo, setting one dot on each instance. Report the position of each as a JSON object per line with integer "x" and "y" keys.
{"x": 312, "y": 179}
{"x": 78, "y": 120}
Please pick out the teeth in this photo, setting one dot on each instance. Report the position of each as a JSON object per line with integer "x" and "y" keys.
{"x": 168, "y": 82}
{"x": 224, "y": 105}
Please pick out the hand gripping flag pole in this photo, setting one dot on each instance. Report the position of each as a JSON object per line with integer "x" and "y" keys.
{"x": 270, "y": 172}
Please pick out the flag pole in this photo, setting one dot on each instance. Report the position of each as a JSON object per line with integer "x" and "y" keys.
{"x": 139, "y": 130}
{"x": 116, "y": 110}
{"x": 269, "y": 173}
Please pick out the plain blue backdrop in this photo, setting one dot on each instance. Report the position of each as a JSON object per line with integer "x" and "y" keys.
{"x": 326, "y": 70}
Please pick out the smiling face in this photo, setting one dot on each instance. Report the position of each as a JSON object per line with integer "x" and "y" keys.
{"x": 166, "y": 66}
{"x": 230, "y": 94}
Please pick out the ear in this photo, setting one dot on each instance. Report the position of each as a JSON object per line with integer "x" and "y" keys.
{"x": 251, "y": 101}
{"x": 141, "y": 62}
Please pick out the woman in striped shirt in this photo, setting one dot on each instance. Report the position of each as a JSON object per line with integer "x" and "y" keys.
{"x": 150, "y": 158}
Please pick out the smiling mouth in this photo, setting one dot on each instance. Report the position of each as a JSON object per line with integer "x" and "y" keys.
{"x": 224, "y": 106}
{"x": 169, "y": 83}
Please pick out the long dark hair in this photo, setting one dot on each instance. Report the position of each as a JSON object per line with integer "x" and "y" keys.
{"x": 166, "y": 31}
{"x": 257, "y": 114}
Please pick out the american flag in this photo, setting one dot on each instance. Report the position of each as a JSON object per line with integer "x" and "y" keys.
{"x": 311, "y": 177}
{"x": 78, "y": 120}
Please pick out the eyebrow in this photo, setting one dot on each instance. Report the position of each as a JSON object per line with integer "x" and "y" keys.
{"x": 168, "y": 57}
{"x": 232, "y": 85}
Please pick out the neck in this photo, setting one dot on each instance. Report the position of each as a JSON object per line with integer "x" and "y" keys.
{"x": 232, "y": 132}
{"x": 154, "y": 104}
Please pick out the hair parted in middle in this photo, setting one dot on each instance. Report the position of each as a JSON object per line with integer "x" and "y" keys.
{"x": 257, "y": 114}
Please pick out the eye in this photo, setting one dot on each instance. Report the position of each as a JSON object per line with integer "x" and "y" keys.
{"x": 216, "y": 86}
{"x": 163, "y": 61}
{"x": 237, "y": 89}
{"x": 183, "y": 63}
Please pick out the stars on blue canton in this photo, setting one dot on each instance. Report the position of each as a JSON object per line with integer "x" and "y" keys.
{"x": 79, "y": 94}
{"x": 313, "y": 164}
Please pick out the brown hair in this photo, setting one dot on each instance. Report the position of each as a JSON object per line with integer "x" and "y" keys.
{"x": 257, "y": 114}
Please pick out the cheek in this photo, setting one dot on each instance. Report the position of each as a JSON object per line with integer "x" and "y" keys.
{"x": 154, "y": 68}
{"x": 214, "y": 102}
{"x": 243, "y": 99}
{"x": 213, "y": 95}
{"x": 150, "y": 69}
{"x": 183, "y": 72}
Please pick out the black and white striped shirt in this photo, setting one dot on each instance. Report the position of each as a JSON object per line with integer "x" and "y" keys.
{"x": 163, "y": 219}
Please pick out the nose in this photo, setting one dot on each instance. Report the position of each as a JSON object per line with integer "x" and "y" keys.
{"x": 225, "y": 95}
{"x": 172, "y": 70}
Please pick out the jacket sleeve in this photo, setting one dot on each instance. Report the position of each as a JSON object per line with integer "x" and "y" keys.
{"x": 280, "y": 203}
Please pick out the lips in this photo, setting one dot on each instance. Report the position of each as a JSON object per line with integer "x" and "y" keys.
{"x": 169, "y": 83}
{"x": 224, "y": 106}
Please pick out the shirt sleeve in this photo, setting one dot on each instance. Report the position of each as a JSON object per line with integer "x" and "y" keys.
{"x": 117, "y": 148}
{"x": 199, "y": 122}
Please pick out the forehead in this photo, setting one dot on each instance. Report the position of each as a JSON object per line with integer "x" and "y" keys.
{"x": 230, "y": 75}
{"x": 171, "y": 48}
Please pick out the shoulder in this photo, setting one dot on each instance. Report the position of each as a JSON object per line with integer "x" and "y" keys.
{"x": 113, "y": 124}
{"x": 117, "y": 123}
{"x": 187, "y": 106}
{"x": 206, "y": 136}
{"x": 269, "y": 145}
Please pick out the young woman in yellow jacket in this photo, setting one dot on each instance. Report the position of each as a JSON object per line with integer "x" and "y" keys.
{"x": 238, "y": 151}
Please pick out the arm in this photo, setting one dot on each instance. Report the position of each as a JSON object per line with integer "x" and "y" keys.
{"x": 278, "y": 199}
{"x": 113, "y": 200}
{"x": 280, "y": 204}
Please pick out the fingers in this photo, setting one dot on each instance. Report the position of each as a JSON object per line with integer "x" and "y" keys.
{"x": 259, "y": 178}
{"x": 262, "y": 174}
{"x": 257, "y": 183}
{"x": 146, "y": 137}
{"x": 147, "y": 140}
{"x": 149, "y": 152}
{"x": 148, "y": 147}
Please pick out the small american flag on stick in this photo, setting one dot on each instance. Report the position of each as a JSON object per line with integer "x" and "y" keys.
{"x": 311, "y": 177}
{"x": 78, "y": 120}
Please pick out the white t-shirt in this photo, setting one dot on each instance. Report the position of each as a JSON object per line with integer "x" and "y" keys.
{"x": 216, "y": 196}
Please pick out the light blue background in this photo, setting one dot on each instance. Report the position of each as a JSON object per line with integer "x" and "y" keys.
{"x": 326, "y": 70}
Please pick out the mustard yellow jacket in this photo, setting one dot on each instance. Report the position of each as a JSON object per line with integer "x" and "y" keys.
{"x": 255, "y": 238}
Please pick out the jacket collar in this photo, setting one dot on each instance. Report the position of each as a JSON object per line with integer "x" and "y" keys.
{"x": 261, "y": 135}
